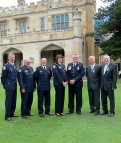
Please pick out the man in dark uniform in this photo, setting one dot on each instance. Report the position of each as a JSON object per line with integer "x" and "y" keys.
{"x": 75, "y": 73}
{"x": 9, "y": 81}
{"x": 27, "y": 86}
{"x": 108, "y": 85}
{"x": 42, "y": 77}
{"x": 93, "y": 84}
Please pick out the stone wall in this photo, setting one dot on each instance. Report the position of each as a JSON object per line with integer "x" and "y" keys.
{"x": 72, "y": 40}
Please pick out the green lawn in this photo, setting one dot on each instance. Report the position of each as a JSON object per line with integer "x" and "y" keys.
{"x": 85, "y": 128}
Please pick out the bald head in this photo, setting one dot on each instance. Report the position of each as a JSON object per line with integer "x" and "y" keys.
{"x": 27, "y": 62}
{"x": 106, "y": 59}
{"x": 44, "y": 61}
{"x": 91, "y": 60}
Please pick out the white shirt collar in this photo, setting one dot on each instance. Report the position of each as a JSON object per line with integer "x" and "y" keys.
{"x": 106, "y": 64}
{"x": 93, "y": 65}
{"x": 11, "y": 63}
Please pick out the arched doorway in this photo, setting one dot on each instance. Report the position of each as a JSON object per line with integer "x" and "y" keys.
{"x": 50, "y": 53}
{"x": 18, "y": 54}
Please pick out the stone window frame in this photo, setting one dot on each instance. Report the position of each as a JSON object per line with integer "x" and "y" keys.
{"x": 24, "y": 20}
{"x": 3, "y": 28}
{"x": 60, "y": 22}
{"x": 22, "y": 26}
{"x": 42, "y": 24}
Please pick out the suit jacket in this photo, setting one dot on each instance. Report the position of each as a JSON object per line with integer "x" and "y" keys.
{"x": 109, "y": 79}
{"x": 42, "y": 77}
{"x": 9, "y": 76}
{"x": 59, "y": 74}
{"x": 77, "y": 72}
{"x": 93, "y": 77}
{"x": 26, "y": 79}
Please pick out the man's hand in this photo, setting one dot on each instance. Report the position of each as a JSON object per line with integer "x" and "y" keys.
{"x": 64, "y": 84}
{"x": 72, "y": 81}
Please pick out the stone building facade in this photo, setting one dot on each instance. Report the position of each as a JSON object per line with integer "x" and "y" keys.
{"x": 46, "y": 29}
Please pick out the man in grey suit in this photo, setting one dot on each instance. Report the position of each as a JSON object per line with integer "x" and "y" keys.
{"x": 93, "y": 84}
{"x": 108, "y": 85}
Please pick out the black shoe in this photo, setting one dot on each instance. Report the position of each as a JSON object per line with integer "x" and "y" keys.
{"x": 96, "y": 113}
{"x": 104, "y": 113}
{"x": 29, "y": 115}
{"x": 8, "y": 119}
{"x": 110, "y": 114}
{"x": 92, "y": 111}
{"x": 41, "y": 115}
{"x": 49, "y": 114}
{"x": 57, "y": 114}
{"x": 70, "y": 112}
{"x": 24, "y": 116}
{"x": 14, "y": 116}
{"x": 79, "y": 112}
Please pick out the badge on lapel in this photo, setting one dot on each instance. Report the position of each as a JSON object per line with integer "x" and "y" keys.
{"x": 93, "y": 70}
{"x": 107, "y": 69}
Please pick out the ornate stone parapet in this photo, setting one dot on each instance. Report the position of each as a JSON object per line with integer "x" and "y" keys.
{"x": 42, "y": 5}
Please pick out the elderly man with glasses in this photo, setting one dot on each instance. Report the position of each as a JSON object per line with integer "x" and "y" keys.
{"x": 27, "y": 86}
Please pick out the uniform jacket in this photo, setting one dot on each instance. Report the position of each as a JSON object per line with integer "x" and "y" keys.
{"x": 26, "y": 79}
{"x": 93, "y": 77}
{"x": 76, "y": 72}
{"x": 9, "y": 76}
{"x": 109, "y": 79}
{"x": 42, "y": 77}
{"x": 59, "y": 74}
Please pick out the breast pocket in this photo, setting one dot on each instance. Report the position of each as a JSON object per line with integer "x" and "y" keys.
{"x": 40, "y": 72}
{"x": 11, "y": 70}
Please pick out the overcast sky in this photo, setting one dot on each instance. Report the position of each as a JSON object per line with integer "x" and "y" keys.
{"x": 9, "y": 3}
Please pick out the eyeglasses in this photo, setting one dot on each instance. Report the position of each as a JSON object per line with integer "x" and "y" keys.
{"x": 28, "y": 62}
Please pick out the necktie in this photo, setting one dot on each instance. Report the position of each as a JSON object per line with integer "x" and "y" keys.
{"x": 74, "y": 64}
{"x": 105, "y": 68}
{"x": 45, "y": 67}
{"x": 92, "y": 68}
{"x": 28, "y": 69}
{"x": 13, "y": 65}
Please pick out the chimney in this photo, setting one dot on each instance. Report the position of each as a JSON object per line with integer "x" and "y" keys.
{"x": 21, "y": 2}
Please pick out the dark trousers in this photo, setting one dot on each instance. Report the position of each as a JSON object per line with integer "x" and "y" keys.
{"x": 73, "y": 90}
{"x": 59, "y": 98}
{"x": 104, "y": 95}
{"x": 43, "y": 97}
{"x": 94, "y": 99}
{"x": 26, "y": 103}
{"x": 10, "y": 102}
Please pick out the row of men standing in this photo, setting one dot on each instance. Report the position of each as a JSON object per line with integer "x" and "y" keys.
{"x": 73, "y": 77}
{"x": 102, "y": 77}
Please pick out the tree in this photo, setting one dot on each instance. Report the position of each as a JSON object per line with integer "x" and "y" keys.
{"x": 111, "y": 25}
